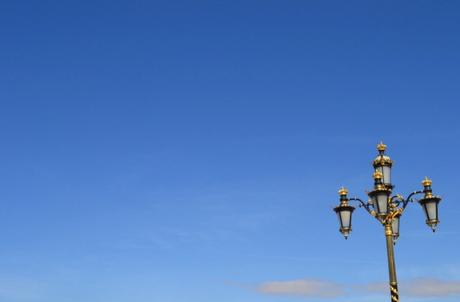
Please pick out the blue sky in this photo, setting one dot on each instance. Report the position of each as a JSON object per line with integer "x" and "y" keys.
{"x": 191, "y": 151}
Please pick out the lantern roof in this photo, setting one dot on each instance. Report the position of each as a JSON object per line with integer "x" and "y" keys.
{"x": 343, "y": 191}
{"x": 382, "y": 159}
{"x": 426, "y": 182}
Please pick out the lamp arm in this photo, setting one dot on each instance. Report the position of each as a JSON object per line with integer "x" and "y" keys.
{"x": 409, "y": 198}
{"x": 397, "y": 199}
{"x": 363, "y": 204}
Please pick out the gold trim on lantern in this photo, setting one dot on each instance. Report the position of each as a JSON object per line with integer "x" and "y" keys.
{"x": 343, "y": 191}
{"x": 377, "y": 174}
{"x": 427, "y": 182}
{"x": 381, "y": 147}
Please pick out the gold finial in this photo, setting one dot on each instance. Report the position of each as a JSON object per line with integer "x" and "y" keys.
{"x": 381, "y": 147}
{"x": 343, "y": 191}
{"x": 426, "y": 182}
{"x": 378, "y": 174}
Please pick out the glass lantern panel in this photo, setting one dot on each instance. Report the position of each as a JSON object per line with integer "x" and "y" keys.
{"x": 395, "y": 226}
{"x": 340, "y": 219}
{"x": 386, "y": 171}
{"x": 373, "y": 200}
{"x": 345, "y": 217}
{"x": 380, "y": 169}
{"x": 382, "y": 202}
{"x": 430, "y": 208}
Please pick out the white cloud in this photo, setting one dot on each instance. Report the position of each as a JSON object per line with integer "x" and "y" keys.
{"x": 301, "y": 287}
{"x": 432, "y": 288}
{"x": 420, "y": 288}
{"x": 377, "y": 287}
{"x": 314, "y": 288}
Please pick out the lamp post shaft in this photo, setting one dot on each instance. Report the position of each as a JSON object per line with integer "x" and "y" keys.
{"x": 391, "y": 263}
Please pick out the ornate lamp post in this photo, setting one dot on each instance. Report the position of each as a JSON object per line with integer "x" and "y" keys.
{"x": 387, "y": 209}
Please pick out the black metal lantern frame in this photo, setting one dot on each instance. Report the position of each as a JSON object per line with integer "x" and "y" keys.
{"x": 344, "y": 212}
{"x": 383, "y": 164}
{"x": 431, "y": 215}
{"x": 395, "y": 224}
{"x": 430, "y": 205}
{"x": 345, "y": 226}
{"x": 380, "y": 195}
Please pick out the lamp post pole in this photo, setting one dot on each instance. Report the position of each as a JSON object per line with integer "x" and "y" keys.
{"x": 391, "y": 263}
{"x": 387, "y": 209}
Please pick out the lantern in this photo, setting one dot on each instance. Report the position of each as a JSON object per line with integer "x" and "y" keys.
{"x": 380, "y": 195}
{"x": 395, "y": 227}
{"x": 344, "y": 213}
{"x": 429, "y": 204}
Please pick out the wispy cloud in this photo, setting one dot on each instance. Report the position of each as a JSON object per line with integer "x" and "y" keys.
{"x": 314, "y": 288}
{"x": 301, "y": 287}
{"x": 420, "y": 288}
{"x": 433, "y": 288}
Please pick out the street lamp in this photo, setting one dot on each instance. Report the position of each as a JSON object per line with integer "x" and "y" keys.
{"x": 387, "y": 209}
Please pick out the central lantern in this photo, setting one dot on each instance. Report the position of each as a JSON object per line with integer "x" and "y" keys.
{"x": 380, "y": 195}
